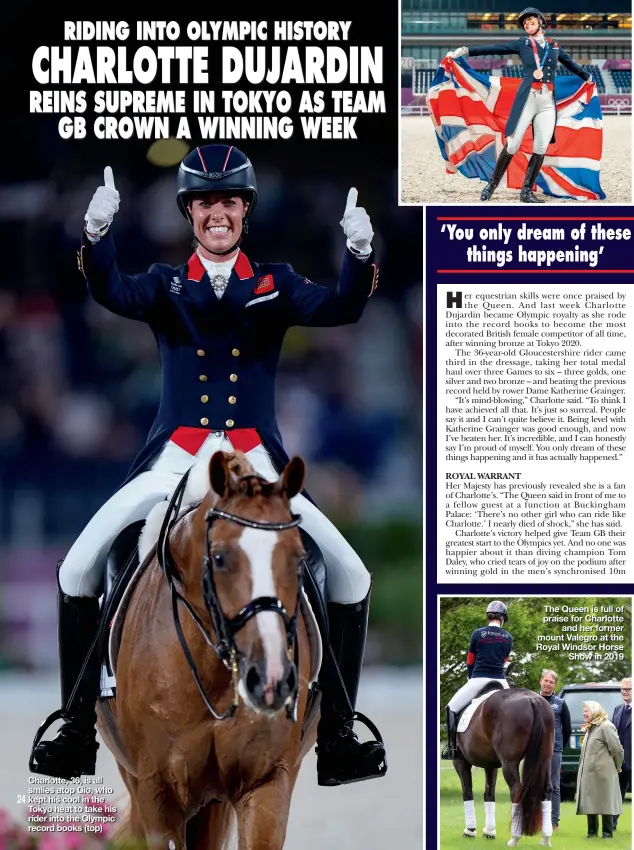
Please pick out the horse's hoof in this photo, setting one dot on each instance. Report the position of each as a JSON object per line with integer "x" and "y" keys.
{"x": 545, "y": 842}
{"x": 469, "y": 833}
{"x": 512, "y": 842}
{"x": 488, "y": 834}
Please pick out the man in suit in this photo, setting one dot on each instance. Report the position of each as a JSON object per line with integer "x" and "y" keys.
{"x": 622, "y": 719}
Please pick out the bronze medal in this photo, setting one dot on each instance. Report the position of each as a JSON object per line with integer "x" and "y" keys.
{"x": 538, "y": 74}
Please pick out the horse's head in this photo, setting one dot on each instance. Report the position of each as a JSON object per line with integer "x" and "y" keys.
{"x": 253, "y": 576}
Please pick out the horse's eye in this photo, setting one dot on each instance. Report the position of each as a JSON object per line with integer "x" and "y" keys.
{"x": 218, "y": 560}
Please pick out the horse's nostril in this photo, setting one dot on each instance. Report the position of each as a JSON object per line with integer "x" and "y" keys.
{"x": 253, "y": 681}
{"x": 290, "y": 679}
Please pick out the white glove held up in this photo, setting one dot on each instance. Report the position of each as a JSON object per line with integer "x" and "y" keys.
{"x": 458, "y": 52}
{"x": 102, "y": 208}
{"x": 357, "y": 227}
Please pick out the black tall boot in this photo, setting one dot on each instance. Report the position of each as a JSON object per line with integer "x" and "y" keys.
{"x": 607, "y": 826}
{"x": 341, "y": 757}
{"x": 527, "y": 196}
{"x": 450, "y": 751}
{"x": 502, "y": 163}
{"x": 593, "y": 826}
{"x": 73, "y": 752}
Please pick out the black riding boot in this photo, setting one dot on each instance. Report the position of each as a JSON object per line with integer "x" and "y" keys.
{"x": 607, "y": 826}
{"x": 341, "y": 757}
{"x": 73, "y": 752}
{"x": 593, "y": 826}
{"x": 502, "y": 163}
{"x": 527, "y": 196}
{"x": 450, "y": 751}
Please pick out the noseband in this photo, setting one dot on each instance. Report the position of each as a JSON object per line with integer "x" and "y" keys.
{"x": 225, "y": 630}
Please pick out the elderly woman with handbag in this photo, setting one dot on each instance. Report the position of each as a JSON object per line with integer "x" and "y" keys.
{"x": 599, "y": 765}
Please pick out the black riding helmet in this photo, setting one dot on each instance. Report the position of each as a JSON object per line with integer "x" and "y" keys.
{"x": 497, "y": 610}
{"x": 531, "y": 12}
{"x": 216, "y": 168}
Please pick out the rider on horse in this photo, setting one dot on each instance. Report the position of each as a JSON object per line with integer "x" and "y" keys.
{"x": 489, "y": 650}
{"x": 219, "y": 321}
{"x": 534, "y": 104}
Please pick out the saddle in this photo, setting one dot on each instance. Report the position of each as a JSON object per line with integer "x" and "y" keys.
{"x": 464, "y": 717}
{"x": 123, "y": 571}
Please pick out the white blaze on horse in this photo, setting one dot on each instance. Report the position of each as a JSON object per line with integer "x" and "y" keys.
{"x": 200, "y": 763}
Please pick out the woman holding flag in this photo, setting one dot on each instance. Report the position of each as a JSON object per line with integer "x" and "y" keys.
{"x": 535, "y": 100}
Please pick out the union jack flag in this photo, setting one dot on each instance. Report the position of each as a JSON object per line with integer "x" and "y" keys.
{"x": 470, "y": 111}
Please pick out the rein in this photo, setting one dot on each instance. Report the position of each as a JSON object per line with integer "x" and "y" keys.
{"x": 225, "y": 646}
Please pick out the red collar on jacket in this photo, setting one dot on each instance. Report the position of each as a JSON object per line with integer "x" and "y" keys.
{"x": 196, "y": 270}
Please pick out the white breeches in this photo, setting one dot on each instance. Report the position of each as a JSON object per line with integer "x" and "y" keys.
{"x": 469, "y": 690}
{"x": 540, "y": 110}
{"x": 81, "y": 571}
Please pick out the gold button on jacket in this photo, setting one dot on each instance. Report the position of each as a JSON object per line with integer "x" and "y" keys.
{"x": 204, "y": 421}
{"x": 203, "y": 378}
{"x": 233, "y": 378}
{"x": 232, "y": 399}
{"x": 230, "y": 423}
{"x": 200, "y": 352}
{"x": 204, "y": 398}
{"x": 236, "y": 352}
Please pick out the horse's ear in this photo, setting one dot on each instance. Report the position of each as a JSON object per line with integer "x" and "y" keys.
{"x": 292, "y": 477}
{"x": 219, "y": 474}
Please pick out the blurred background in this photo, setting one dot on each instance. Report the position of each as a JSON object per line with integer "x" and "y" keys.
{"x": 79, "y": 390}
{"x": 599, "y": 40}
{"x": 80, "y": 386}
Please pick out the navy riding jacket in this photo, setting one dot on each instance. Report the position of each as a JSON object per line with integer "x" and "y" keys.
{"x": 489, "y": 649}
{"x": 523, "y": 48}
{"x": 219, "y": 356}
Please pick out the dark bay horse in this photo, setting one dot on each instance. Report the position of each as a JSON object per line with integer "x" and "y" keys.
{"x": 213, "y": 755}
{"x": 511, "y": 725}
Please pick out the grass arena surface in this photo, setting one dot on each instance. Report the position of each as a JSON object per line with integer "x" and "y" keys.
{"x": 571, "y": 834}
{"x": 372, "y": 815}
{"x": 425, "y": 181}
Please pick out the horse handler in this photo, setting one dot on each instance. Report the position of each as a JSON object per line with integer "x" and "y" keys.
{"x": 534, "y": 102}
{"x": 219, "y": 321}
{"x": 563, "y": 729}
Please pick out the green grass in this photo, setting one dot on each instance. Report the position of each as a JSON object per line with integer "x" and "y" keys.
{"x": 571, "y": 834}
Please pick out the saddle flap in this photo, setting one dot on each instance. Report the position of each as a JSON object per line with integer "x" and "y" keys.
{"x": 469, "y": 711}
{"x": 315, "y": 584}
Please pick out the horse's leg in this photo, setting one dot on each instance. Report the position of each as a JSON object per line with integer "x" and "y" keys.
{"x": 162, "y": 819}
{"x": 547, "y": 814}
{"x": 491, "y": 774}
{"x": 511, "y": 771}
{"x": 215, "y": 825}
{"x": 131, "y": 827}
{"x": 263, "y": 813}
{"x": 463, "y": 769}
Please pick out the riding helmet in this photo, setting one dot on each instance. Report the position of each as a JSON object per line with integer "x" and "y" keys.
{"x": 499, "y": 609}
{"x": 531, "y": 12}
{"x": 216, "y": 168}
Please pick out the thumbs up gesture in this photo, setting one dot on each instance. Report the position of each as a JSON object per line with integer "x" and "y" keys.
{"x": 102, "y": 208}
{"x": 357, "y": 227}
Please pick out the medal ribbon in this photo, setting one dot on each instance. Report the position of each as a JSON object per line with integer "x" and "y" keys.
{"x": 536, "y": 55}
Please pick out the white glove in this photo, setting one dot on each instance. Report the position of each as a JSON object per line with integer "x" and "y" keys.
{"x": 102, "y": 208}
{"x": 356, "y": 225}
{"x": 457, "y": 53}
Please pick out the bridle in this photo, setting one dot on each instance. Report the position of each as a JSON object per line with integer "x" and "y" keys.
{"x": 225, "y": 630}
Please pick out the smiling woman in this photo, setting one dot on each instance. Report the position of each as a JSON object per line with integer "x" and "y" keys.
{"x": 219, "y": 320}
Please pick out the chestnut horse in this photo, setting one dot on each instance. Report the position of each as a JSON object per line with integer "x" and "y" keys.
{"x": 211, "y": 692}
{"x": 510, "y": 726}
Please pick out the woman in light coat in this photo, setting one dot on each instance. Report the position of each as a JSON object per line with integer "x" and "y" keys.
{"x": 599, "y": 765}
